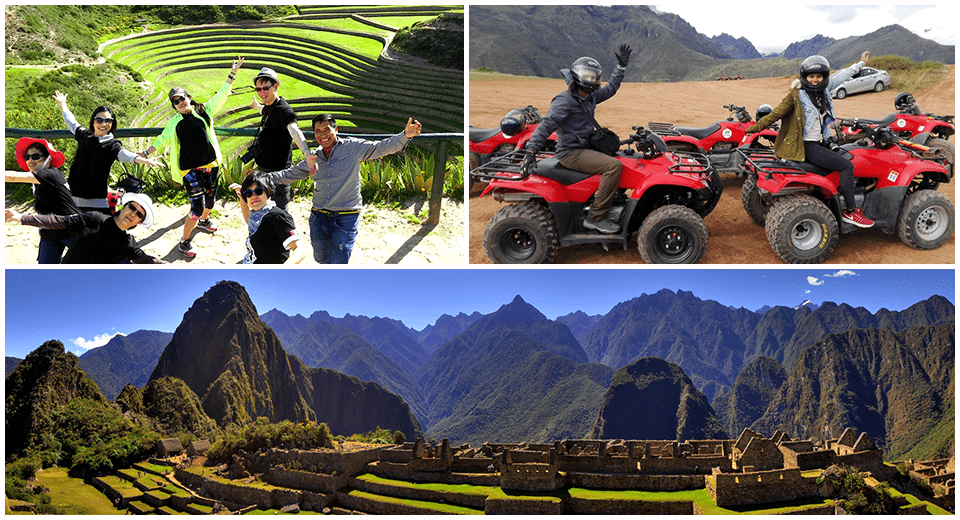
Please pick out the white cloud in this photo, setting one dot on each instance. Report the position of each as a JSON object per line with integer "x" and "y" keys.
{"x": 97, "y": 341}
{"x": 814, "y": 281}
{"x": 808, "y": 291}
{"x": 841, "y": 273}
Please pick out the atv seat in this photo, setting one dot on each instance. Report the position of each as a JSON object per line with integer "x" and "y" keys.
{"x": 482, "y": 134}
{"x": 699, "y": 133}
{"x": 551, "y": 169}
{"x": 805, "y": 167}
{"x": 880, "y": 122}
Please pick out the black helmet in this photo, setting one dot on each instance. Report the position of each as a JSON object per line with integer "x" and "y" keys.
{"x": 904, "y": 101}
{"x": 763, "y": 110}
{"x": 815, "y": 64}
{"x": 512, "y": 123}
{"x": 586, "y": 73}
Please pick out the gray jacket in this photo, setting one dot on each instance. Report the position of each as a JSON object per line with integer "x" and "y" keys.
{"x": 571, "y": 116}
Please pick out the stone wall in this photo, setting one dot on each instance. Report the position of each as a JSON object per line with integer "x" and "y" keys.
{"x": 760, "y": 487}
{"x": 351, "y": 463}
{"x": 499, "y": 506}
{"x": 628, "y": 507}
{"x": 595, "y": 464}
{"x": 410, "y": 493}
{"x": 305, "y": 480}
{"x": 404, "y": 472}
{"x": 530, "y": 477}
{"x": 638, "y": 482}
{"x": 683, "y": 465}
{"x": 246, "y": 495}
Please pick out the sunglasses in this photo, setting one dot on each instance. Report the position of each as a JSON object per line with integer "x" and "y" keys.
{"x": 33, "y": 156}
{"x": 259, "y": 190}
{"x": 177, "y": 100}
{"x": 102, "y": 120}
{"x": 136, "y": 211}
{"x": 262, "y": 89}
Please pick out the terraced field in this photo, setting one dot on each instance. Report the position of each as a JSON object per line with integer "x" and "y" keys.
{"x": 328, "y": 60}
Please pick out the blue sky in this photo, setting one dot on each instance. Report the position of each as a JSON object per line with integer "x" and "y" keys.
{"x": 89, "y": 306}
{"x": 764, "y": 25}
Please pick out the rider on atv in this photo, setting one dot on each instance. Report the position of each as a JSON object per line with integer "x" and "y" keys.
{"x": 806, "y": 113}
{"x": 571, "y": 116}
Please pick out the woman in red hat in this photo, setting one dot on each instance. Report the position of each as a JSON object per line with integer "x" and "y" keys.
{"x": 97, "y": 150}
{"x": 40, "y": 162}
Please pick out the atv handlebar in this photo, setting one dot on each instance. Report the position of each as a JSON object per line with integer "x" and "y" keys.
{"x": 740, "y": 112}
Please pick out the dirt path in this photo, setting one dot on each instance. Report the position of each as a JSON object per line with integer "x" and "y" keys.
{"x": 734, "y": 237}
{"x": 386, "y": 236}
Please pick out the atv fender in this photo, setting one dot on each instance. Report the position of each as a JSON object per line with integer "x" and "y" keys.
{"x": 911, "y": 170}
{"x": 683, "y": 139}
{"x": 547, "y": 189}
{"x": 779, "y": 182}
{"x": 883, "y": 207}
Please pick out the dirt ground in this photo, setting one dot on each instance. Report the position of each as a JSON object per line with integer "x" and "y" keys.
{"x": 734, "y": 237}
{"x": 386, "y": 235}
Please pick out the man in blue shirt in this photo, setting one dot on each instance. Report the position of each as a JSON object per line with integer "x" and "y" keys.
{"x": 336, "y": 197}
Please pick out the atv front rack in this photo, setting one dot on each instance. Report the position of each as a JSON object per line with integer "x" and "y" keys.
{"x": 663, "y": 128}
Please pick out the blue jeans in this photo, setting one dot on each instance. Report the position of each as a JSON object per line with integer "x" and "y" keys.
{"x": 51, "y": 251}
{"x": 332, "y": 236}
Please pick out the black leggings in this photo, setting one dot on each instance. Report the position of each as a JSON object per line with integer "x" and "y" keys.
{"x": 819, "y": 155}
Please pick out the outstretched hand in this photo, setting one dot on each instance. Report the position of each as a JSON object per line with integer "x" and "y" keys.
{"x": 865, "y": 57}
{"x": 413, "y": 128}
{"x": 236, "y": 65}
{"x": 11, "y": 215}
{"x": 623, "y": 55}
{"x": 60, "y": 98}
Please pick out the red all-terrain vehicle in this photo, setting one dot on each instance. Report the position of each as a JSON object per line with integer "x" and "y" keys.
{"x": 662, "y": 195}
{"x": 515, "y": 129}
{"x": 896, "y": 185}
{"x": 909, "y": 123}
{"x": 720, "y": 140}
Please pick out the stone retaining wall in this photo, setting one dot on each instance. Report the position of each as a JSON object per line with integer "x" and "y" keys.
{"x": 638, "y": 482}
{"x": 628, "y": 507}
{"x": 262, "y": 498}
{"x": 499, "y": 506}
{"x": 474, "y": 501}
{"x": 403, "y": 472}
{"x": 741, "y": 489}
{"x": 305, "y": 480}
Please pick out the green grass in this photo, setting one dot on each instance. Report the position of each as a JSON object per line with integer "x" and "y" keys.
{"x": 460, "y": 489}
{"x": 72, "y": 496}
{"x": 700, "y": 497}
{"x": 500, "y": 494}
{"x": 433, "y": 506}
{"x": 159, "y": 469}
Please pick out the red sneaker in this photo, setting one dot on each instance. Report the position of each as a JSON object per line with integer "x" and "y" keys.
{"x": 856, "y": 218}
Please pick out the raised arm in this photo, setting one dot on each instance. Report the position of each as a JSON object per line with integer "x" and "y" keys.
{"x": 68, "y": 117}
{"x": 12, "y": 176}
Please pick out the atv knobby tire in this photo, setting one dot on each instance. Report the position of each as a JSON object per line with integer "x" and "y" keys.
{"x": 802, "y": 230}
{"x": 939, "y": 146}
{"x": 926, "y": 219}
{"x": 522, "y": 233}
{"x": 753, "y": 204}
{"x": 672, "y": 235}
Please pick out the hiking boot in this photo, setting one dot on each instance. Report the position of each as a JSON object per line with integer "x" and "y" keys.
{"x": 186, "y": 249}
{"x": 603, "y": 226}
{"x": 856, "y": 218}
{"x": 206, "y": 225}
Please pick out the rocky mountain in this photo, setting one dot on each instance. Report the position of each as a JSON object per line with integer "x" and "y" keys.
{"x": 704, "y": 337}
{"x": 653, "y": 399}
{"x": 12, "y": 363}
{"x": 324, "y": 344}
{"x": 737, "y": 48}
{"x": 481, "y": 369}
{"x": 540, "y": 40}
{"x": 889, "y": 40}
{"x": 236, "y": 365}
{"x": 444, "y": 329}
{"x": 783, "y": 333}
{"x": 388, "y": 336}
{"x": 170, "y": 405}
{"x": 752, "y": 392}
{"x": 46, "y": 380}
{"x": 580, "y": 324}
{"x": 124, "y": 360}
{"x": 898, "y": 387}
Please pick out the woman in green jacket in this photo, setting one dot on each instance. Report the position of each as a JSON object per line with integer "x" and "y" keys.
{"x": 195, "y": 155}
{"x": 807, "y": 113}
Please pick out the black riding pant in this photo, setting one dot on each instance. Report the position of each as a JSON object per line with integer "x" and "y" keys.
{"x": 819, "y": 155}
